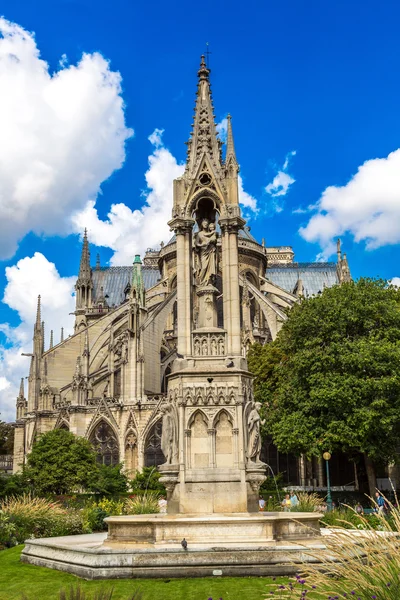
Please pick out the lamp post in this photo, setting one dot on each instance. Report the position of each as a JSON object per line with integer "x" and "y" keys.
{"x": 327, "y": 456}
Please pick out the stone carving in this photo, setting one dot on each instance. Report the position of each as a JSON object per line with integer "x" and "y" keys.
{"x": 169, "y": 436}
{"x": 206, "y": 263}
{"x": 208, "y": 345}
{"x": 254, "y": 427}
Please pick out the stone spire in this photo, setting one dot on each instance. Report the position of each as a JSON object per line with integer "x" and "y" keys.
{"x": 203, "y": 137}
{"x": 84, "y": 268}
{"x": 38, "y": 322}
{"x": 62, "y": 334}
{"x": 137, "y": 288}
{"x": 21, "y": 402}
{"x": 83, "y": 286}
{"x": 51, "y": 338}
{"x": 230, "y": 159}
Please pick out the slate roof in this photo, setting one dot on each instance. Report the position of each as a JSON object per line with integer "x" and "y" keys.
{"x": 313, "y": 275}
{"x": 114, "y": 280}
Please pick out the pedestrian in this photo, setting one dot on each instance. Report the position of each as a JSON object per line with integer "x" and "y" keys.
{"x": 162, "y": 504}
{"x": 286, "y": 504}
{"x": 359, "y": 509}
{"x": 380, "y": 500}
{"x": 294, "y": 501}
{"x": 261, "y": 504}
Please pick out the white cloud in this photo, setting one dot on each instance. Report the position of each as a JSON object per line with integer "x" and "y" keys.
{"x": 222, "y": 128}
{"x": 62, "y": 135}
{"x": 27, "y": 279}
{"x": 129, "y": 232}
{"x": 282, "y": 181}
{"x": 367, "y": 207}
{"x": 245, "y": 199}
{"x": 395, "y": 281}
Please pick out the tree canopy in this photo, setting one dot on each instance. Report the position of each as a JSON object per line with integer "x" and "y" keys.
{"x": 331, "y": 379}
{"x": 60, "y": 462}
{"x": 6, "y": 438}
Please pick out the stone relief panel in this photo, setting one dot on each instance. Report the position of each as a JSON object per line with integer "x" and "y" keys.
{"x": 208, "y": 344}
{"x": 224, "y": 441}
{"x": 200, "y": 455}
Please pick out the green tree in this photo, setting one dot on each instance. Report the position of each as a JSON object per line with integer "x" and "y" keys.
{"x": 60, "y": 463}
{"x": 6, "y": 438}
{"x": 108, "y": 480}
{"x": 331, "y": 379}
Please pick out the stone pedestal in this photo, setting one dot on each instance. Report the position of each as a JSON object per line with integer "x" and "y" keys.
{"x": 207, "y": 309}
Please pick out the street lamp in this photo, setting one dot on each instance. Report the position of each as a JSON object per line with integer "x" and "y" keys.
{"x": 327, "y": 456}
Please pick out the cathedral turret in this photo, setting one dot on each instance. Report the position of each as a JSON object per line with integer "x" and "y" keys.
{"x": 83, "y": 286}
{"x": 37, "y": 353}
{"x": 21, "y": 401}
{"x": 231, "y": 166}
{"x": 342, "y": 267}
{"x": 203, "y": 137}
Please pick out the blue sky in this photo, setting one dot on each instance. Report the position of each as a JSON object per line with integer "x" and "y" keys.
{"x": 311, "y": 85}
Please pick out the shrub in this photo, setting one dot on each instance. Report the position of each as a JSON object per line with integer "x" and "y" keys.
{"x": 148, "y": 479}
{"x": 38, "y": 517}
{"x": 108, "y": 480}
{"x": 143, "y": 504}
{"x": 93, "y": 515}
{"x": 8, "y": 530}
{"x": 308, "y": 502}
{"x": 365, "y": 564}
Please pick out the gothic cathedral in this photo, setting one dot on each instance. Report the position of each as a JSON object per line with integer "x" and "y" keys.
{"x": 155, "y": 372}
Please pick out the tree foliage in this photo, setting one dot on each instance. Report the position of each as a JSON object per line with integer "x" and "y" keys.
{"x": 108, "y": 480}
{"x": 331, "y": 379}
{"x": 60, "y": 462}
{"x": 6, "y": 438}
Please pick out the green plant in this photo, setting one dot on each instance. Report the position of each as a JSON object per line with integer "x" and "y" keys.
{"x": 143, "y": 504}
{"x": 60, "y": 462}
{"x": 93, "y": 514}
{"x": 148, "y": 479}
{"x": 108, "y": 480}
{"x": 8, "y": 530}
{"x": 308, "y": 502}
{"x": 364, "y": 564}
{"x": 39, "y": 517}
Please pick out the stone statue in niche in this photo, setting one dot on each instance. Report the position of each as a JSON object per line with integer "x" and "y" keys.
{"x": 204, "y": 348}
{"x": 214, "y": 350}
{"x": 169, "y": 435}
{"x": 221, "y": 346}
{"x": 254, "y": 427}
{"x": 206, "y": 262}
{"x": 197, "y": 347}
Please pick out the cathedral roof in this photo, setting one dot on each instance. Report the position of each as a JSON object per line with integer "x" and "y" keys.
{"x": 114, "y": 280}
{"x": 314, "y": 276}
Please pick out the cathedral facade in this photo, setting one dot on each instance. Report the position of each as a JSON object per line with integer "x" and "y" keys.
{"x": 155, "y": 372}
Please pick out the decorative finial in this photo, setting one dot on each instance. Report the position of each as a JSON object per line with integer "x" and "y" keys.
{"x": 62, "y": 334}
{"x": 203, "y": 72}
{"x": 98, "y": 262}
{"x": 38, "y": 312}
{"x": 51, "y": 338}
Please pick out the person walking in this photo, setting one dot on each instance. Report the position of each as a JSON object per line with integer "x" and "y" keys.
{"x": 380, "y": 500}
{"x": 294, "y": 501}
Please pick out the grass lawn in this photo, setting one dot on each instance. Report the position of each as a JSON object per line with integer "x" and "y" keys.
{"x": 39, "y": 583}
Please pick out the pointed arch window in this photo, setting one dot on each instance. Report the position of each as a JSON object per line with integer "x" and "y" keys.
{"x": 153, "y": 455}
{"x": 105, "y": 444}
